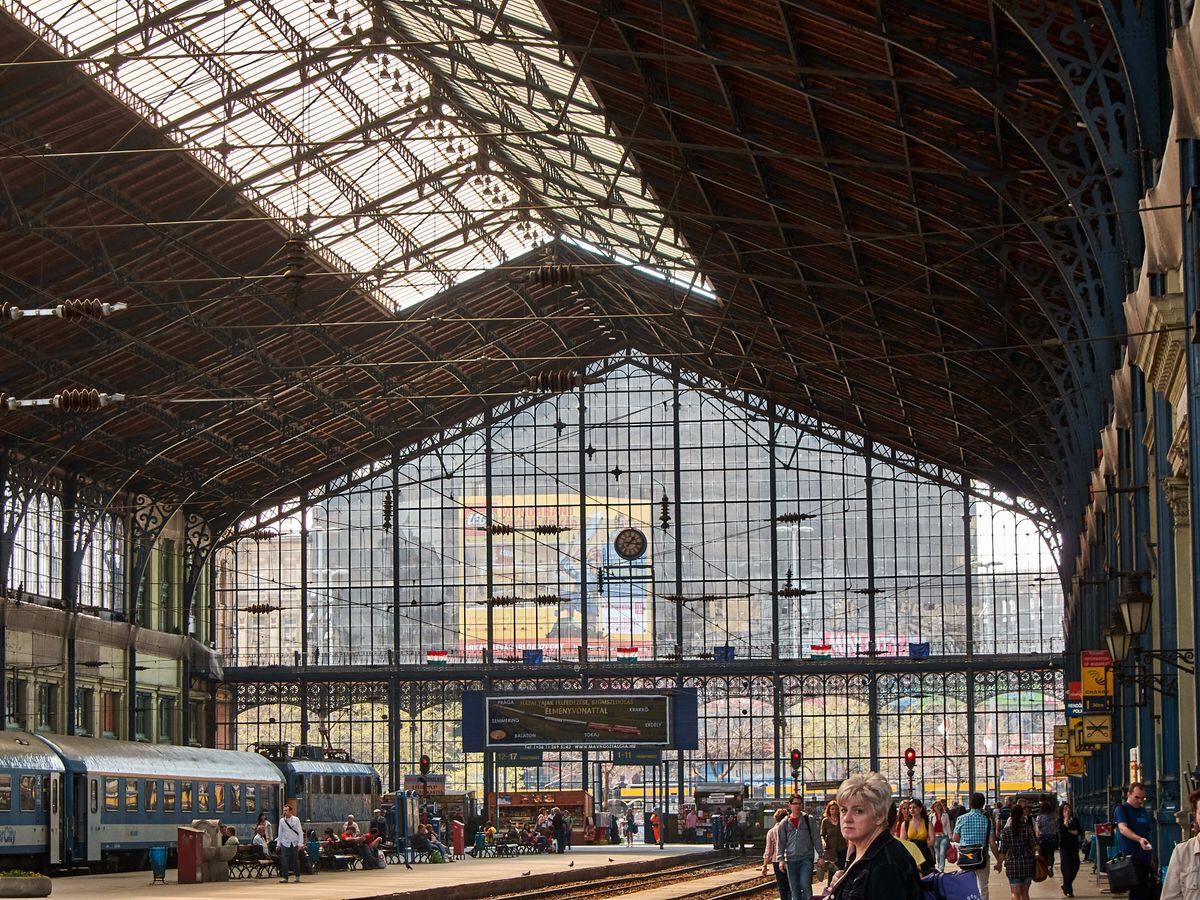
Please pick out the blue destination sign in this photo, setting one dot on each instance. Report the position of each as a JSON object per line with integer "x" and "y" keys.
{"x": 518, "y": 758}
{"x": 637, "y": 757}
{"x": 1074, "y": 708}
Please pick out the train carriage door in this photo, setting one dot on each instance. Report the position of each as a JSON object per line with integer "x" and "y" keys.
{"x": 52, "y": 800}
{"x": 95, "y": 812}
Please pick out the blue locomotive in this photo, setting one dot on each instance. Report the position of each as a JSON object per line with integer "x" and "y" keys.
{"x": 326, "y": 785}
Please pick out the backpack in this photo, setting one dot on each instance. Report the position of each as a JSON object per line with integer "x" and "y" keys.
{"x": 950, "y": 886}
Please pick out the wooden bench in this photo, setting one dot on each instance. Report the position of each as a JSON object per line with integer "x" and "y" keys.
{"x": 338, "y": 862}
{"x": 249, "y": 862}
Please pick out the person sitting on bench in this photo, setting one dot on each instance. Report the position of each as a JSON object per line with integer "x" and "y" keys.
{"x": 370, "y": 852}
{"x": 425, "y": 841}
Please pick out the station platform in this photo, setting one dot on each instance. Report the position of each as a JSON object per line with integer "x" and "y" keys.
{"x": 468, "y": 879}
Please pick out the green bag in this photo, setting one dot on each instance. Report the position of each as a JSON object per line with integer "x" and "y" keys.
{"x": 436, "y": 856}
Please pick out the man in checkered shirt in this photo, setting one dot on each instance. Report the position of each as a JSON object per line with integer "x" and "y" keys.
{"x": 975, "y": 827}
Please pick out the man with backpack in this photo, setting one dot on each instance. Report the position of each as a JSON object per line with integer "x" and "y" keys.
{"x": 974, "y": 835}
{"x": 799, "y": 844}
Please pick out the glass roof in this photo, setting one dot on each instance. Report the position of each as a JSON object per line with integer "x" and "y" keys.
{"x": 416, "y": 151}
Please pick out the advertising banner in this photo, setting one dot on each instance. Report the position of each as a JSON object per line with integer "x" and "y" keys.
{"x": 578, "y": 720}
{"x": 530, "y": 563}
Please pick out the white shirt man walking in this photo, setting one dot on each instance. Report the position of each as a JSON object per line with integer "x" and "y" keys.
{"x": 290, "y": 836}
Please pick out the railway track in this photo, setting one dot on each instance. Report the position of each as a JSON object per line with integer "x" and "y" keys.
{"x": 765, "y": 888}
{"x": 618, "y": 885}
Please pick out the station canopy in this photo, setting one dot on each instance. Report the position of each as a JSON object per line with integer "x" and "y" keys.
{"x": 340, "y": 228}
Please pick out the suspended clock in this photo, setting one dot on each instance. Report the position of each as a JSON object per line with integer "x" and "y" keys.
{"x": 630, "y": 544}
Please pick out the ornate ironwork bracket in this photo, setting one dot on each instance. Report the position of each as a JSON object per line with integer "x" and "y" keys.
{"x": 1143, "y": 675}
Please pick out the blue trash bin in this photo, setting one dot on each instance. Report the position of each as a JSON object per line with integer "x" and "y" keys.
{"x": 158, "y": 864}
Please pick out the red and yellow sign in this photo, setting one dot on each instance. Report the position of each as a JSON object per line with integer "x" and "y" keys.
{"x": 1096, "y": 673}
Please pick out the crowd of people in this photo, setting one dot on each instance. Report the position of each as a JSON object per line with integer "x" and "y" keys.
{"x": 548, "y": 832}
{"x": 864, "y": 846}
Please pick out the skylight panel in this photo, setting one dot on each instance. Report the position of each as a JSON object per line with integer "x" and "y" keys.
{"x": 261, "y": 84}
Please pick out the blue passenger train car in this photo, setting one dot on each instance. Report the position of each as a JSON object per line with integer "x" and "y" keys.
{"x": 31, "y": 777}
{"x": 100, "y": 803}
{"x": 74, "y": 802}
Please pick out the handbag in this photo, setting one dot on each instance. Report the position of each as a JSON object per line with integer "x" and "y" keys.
{"x": 951, "y": 854}
{"x": 1040, "y": 870}
{"x": 1124, "y": 874}
{"x": 972, "y": 856}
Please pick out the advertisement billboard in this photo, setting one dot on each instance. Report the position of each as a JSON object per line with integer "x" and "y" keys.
{"x": 527, "y": 564}
{"x": 578, "y": 720}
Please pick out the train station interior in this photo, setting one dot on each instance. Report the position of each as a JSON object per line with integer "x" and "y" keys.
{"x": 830, "y": 368}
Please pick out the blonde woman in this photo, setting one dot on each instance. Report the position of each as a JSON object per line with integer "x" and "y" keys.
{"x": 877, "y": 865}
{"x": 900, "y": 829}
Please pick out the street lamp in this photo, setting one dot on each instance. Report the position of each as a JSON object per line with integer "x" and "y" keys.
{"x": 1134, "y": 618}
{"x": 1118, "y": 640}
{"x": 1135, "y": 610}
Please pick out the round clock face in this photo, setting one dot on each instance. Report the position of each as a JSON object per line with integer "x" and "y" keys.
{"x": 630, "y": 544}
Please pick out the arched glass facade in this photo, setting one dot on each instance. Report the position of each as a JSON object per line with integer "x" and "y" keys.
{"x": 788, "y": 571}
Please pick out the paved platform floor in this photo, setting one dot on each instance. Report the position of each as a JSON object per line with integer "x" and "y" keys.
{"x": 506, "y": 875}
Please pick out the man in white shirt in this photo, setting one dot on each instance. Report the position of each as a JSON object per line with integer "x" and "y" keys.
{"x": 291, "y": 835}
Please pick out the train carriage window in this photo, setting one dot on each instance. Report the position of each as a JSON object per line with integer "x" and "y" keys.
{"x": 28, "y": 793}
{"x": 300, "y": 783}
{"x": 5, "y": 792}
{"x": 339, "y": 784}
{"x": 185, "y": 796}
{"x": 218, "y": 797}
{"x": 168, "y": 795}
{"x": 131, "y": 794}
{"x": 251, "y": 799}
{"x": 235, "y": 797}
{"x": 151, "y": 795}
{"x": 202, "y": 797}
{"x": 358, "y": 785}
{"x": 112, "y": 794}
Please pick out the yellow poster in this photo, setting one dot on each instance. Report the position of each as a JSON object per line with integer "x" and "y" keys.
{"x": 1096, "y": 673}
{"x": 537, "y": 579}
{"x": 1060, "y": 732}
{"x": 1076, "y": 765}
